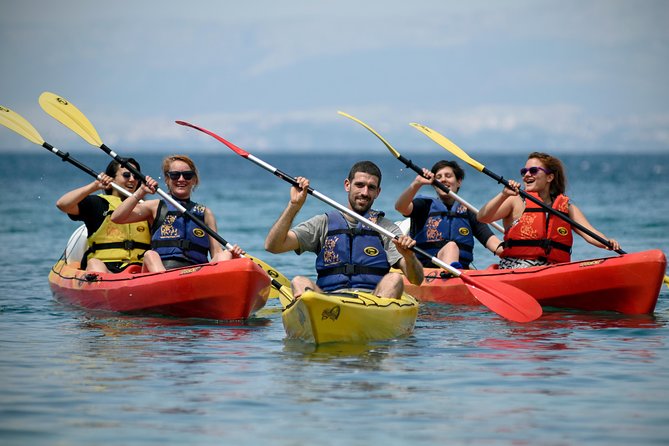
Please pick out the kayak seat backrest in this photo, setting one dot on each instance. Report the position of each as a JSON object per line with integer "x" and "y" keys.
{"x": 133, "y": 269}
{"x": 76, "y": 245}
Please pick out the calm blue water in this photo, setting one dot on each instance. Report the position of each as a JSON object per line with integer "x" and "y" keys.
{"x": 465, "y": 376}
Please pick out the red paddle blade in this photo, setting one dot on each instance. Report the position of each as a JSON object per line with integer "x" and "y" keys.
{"x": 505, "y": 300}
{"x": 231, "y": 146}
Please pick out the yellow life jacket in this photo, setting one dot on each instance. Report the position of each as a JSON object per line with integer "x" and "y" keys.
{"x": 113, "y": 242}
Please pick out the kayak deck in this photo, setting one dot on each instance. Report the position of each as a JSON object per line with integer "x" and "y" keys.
{"x": 348, "y": 316}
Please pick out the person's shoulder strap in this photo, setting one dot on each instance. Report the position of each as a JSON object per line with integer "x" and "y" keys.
{"x": 161, "y": 213}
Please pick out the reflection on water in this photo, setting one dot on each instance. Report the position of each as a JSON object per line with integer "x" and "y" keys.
{"x": 132, "y": 350}
{"x": 367, "y": 354}
{"x": 330, "y": 376}
{"x": 167, "y": 330}
{"x": 555, "y": 341}
{"x": 555, "y": 329}
{"x": 557, "y": 337}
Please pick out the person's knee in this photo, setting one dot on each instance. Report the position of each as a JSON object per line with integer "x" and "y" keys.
{"x": 300, "y": 284}
{"x": 301, "y": 280}
{"x": 395, "y": 279}
{"x": 391, "y": 286}
{"x": 450, "y": 252}
{"x": 450, "y": 247}
{"x": 152, "y": 262}
{"x": 96, "y": 265}
{"x": 150, "y": 255}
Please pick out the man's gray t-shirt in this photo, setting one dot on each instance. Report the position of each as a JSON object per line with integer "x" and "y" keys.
{"x": 311, "y": 235}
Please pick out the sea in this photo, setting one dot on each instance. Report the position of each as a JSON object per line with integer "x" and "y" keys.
{"x": 464, "y": 377}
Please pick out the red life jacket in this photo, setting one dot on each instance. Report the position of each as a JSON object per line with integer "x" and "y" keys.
{"x": 538, "y": 234}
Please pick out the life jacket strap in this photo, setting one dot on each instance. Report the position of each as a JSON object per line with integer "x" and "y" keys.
{"x": 546, "y": 244}
{"x": 185, "y": 245}
{"x": 352, "y": 270}
{"x": 353, "y": 231}
{"x": 127, "y": 245}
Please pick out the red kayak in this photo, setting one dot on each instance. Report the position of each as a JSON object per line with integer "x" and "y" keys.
{"x": 230, "y": 290}
{"x": 628, "y": 284}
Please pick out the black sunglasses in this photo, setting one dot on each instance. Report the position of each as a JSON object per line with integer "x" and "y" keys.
{"x": 533, "y": 170}
{"x": 175, "y": 174}
{"x": 127, "y": 176}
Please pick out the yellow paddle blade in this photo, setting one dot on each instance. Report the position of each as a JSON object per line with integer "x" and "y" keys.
{"x": 448, "y": 145}
{"x": 273, "y": 274}
{"x": 285, "y": 296}
{"x": 70, "y": 116}
{"x": 386, "y": 143}
{"x": 16, "y": 122}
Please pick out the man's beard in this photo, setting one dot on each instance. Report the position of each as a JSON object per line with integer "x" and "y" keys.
{"x": 360, "y": 209}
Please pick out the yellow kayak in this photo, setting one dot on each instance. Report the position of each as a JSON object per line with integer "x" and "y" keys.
{"x": 347, "y": 316}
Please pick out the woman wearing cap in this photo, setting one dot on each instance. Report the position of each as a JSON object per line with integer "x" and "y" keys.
{"x": 176, "y": 240}
{"x": 532, "y": 236}
{"x": 110, "y": 247}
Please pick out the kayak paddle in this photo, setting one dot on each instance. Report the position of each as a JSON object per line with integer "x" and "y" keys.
{"x": 16, "y": 122}
{"x": 505, "y": 300}
{"x": 419, "y": 171}
{"x": 457, "y": 151}
{"x": 70, "y": 116}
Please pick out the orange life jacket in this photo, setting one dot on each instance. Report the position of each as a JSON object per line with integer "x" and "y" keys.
{"x": 538, "y": 234}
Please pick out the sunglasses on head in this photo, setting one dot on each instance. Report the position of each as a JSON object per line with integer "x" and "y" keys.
{"x": 533, "y": 170}
{"x": 127, "y": 176}
{"x": 175, "y": 174}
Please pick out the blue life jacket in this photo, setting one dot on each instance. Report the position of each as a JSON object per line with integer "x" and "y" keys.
{"x": 175, "y": 236}
{"x": 351, "y": 258}
{"x": 444, "y": 226}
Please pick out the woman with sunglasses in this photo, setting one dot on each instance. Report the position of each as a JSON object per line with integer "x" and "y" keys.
{"x": 176, "y": 240}
{"x": 111, "y": 247}
{"x": 532, "y": 236}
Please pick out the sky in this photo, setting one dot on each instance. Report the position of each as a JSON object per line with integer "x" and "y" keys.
{"x": 562, "y": 76}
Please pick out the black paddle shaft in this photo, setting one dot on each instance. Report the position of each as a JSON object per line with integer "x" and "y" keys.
{"x": 65, "y": 156}
{"x": 550, "y": 210}
{"x": 407, "y": 162}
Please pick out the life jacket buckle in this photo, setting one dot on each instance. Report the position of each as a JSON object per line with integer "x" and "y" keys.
{"x": 547, "y": 246}
{"x": 185, "y": 244}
